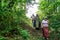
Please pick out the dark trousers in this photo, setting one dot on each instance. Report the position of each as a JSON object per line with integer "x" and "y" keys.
{"x": 34, "y": 23}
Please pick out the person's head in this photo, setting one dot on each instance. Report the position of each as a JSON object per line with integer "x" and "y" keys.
{"x": 32, "y": 14}
{"x": 45, "y": 18}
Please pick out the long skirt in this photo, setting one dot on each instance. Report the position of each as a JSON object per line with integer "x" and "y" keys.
{"x": 45, "y": 32}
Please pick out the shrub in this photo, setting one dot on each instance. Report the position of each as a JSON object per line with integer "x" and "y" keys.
{"x": 2, "y": 38}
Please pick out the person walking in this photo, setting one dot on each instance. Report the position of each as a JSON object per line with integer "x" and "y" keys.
{"x": 33, "y": 21}
{"x": 45, "y": 29}
{"x": 38, "y": 23}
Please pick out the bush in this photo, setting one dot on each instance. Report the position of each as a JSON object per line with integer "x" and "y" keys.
{"x": 23, "y": 33}
{"x": 2, "y": 38}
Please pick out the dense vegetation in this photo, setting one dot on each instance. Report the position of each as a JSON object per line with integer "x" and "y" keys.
{"x": 11, "y": 14}
{"x": 51, "y": 9}
{"x": 13, "y": 18}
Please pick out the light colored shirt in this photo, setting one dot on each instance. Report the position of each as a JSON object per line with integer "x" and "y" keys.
{"x": 45, "y": 23}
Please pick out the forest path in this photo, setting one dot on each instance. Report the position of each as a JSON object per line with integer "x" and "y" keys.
{"x": 32, "y": 31}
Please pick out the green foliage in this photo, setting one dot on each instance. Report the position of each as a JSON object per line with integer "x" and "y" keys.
{"x": 49, "y": 6}
{"x": 49, "y": 9}
{"x": 12, "y": 17}
{"x": 2, "y": 38}
{"x": 23, "y": 33}
{"x": 11, "y": 14}
{"x": 55, "y": 23}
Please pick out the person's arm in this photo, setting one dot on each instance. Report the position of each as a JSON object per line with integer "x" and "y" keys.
{"x": 42, "y": 24}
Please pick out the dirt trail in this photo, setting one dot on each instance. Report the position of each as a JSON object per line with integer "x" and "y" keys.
{"x": 32, "y": 31}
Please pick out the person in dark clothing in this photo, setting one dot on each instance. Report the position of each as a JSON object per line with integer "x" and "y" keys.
{"x": 38, "y": 23}
{"x": 33, "y": 21}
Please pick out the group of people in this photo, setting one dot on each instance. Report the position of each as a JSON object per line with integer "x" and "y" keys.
{"x": 36, "y": 21}
{"x": 37, "y": 24}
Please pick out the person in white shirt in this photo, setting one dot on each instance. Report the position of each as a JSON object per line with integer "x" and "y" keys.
{"x": 44, "y": 26}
